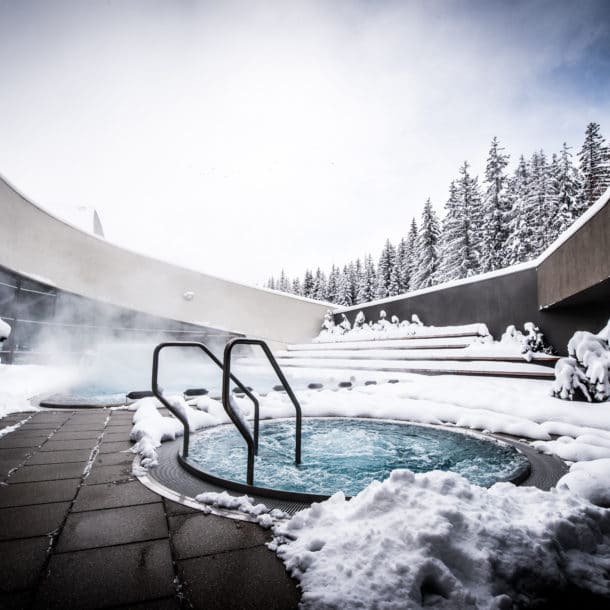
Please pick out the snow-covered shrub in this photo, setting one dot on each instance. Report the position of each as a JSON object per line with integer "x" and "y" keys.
{"x": 569, "y": 379}
{"x": 531, "y": 341}
{"x": 344, "y": 325}
{"x": 359, "y": 321}
{"x": 586, "y": 370}
{"x": 416, "y": 321}
{"x": 395, "y": 321}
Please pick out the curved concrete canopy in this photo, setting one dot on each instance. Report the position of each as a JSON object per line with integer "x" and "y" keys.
{"x": 35, "y": 243}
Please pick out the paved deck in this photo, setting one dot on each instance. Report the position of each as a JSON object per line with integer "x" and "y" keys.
{"x": 72, "y": 538}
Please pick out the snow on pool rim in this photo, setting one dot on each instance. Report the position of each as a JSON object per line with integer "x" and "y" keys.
{"x": 517, "y": 474}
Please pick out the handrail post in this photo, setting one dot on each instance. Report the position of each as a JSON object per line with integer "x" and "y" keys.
{"x": 278, "y": 371}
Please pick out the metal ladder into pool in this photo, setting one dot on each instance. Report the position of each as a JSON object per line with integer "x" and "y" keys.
{"x": 228, "y": 404}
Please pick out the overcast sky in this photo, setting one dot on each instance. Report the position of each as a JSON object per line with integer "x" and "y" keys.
{"x": 238, "y": 138}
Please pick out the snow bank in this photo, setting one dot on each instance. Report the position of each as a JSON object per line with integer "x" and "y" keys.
{"x": 434, "y": 539}
{"x": 20, "y": 382}
{"x": 589, "y": 480}
{"x": 263, "y": 516}
{"x": 151, "y": 428}
{"x": 5, "y": 330}
{"x": 383, "y": 329}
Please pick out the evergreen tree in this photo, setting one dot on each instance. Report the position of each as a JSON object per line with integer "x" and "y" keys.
{"x": 344, "y": 292}
{"x": 411, "y": 256}
{"x": 387, "y": 261}
{"x": 367, "y": 282}
{"x": 594, "y": 160}
{"x": 517, "y": 250}
{"x": 403, "y": 265}
{"x": 308, "y": 284}
{"x": 540, "y": 204}
{"x": 495, "y": 209}
{"x": 427, "y": 249}
{"x": 283, "y": 284}
{"x": 332, "y": 285}
{"x": 355, "y": 271}
{"x": 319, "y": 285}
{"x": 296, "y": 287}
{"x": 271, "y": 283}
{"x": 461, "y": 229}
{"x": 568, "y": 187}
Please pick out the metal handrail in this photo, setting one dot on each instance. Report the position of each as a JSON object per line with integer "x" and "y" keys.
{"x": 251, "y": 440}
{"x": 225, "y": 391}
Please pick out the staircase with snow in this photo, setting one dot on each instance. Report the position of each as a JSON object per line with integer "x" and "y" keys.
{"x": 414, "y": 348}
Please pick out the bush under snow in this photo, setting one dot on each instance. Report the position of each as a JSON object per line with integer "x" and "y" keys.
{"x": 585, "y": 372}
{"x": 5, "y": 330}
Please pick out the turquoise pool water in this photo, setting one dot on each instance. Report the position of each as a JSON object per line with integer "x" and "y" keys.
{"x": 344, "y": 454}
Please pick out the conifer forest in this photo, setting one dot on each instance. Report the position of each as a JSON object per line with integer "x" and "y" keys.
{"x": 488, "y": 223}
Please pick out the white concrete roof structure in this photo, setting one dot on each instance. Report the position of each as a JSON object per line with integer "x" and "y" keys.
{"x": 39, "y": 245}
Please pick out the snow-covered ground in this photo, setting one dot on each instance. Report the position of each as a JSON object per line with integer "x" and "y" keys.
{"x": 416, "y": 540}
{"x": 20, "y": 383}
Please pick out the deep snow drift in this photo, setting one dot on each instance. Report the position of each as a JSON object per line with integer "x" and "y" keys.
{"x": 433, "y": 539}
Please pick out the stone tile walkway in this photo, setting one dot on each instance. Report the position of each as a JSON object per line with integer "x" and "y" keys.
{"x": 78, "y": 531}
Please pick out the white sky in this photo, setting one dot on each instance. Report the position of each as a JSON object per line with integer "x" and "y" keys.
{"x": 242, "y": 137}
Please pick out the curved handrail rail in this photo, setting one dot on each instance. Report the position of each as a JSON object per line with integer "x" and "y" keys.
{"x": 251, "y": 440}
{"x": 278, "y": 371}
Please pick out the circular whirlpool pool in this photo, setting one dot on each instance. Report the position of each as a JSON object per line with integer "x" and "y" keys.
{"x": 345, "y": 454}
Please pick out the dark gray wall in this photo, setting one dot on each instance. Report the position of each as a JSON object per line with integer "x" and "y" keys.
{"x": 580, "y": 263}
{"x": 498, "y": 302}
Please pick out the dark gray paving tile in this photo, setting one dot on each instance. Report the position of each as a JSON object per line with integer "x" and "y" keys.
{"x": 73, "y": 435}
{"x": 22, "y": 494}
{"x": 109, "y": 495}
{"x": 14, "y": 453}
{"x": 112, "y": 447}
{"x": 170, "y": 603}
{"x": 27, "y": 433}
{"x": 21, "y": 562}
{"x": 108, "y": 577}
{"x": 42, "y": 429}
{"x": 200, "y": 534}
{"x": 108, "y": 459}
{"x": 110, "y": 437}
{"x": 21, "y": 600}
{"x": 54, "y": 445}
{"x": 109, "y": 474}
{"x": 173, "y": 508}
{"x": 59, "y": 457}
{"x": 7, "y": 466}
{"x": 47, "y": 472}
{"x": 28, "y": 521}
{"x": 11, "y": 441}
{"x": 112, "y": 526}
{"x": 249, "y": 579}
{"x": 82, "y": 428}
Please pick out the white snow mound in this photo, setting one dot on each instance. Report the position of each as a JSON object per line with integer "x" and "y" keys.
{"x": 434, "y": 539}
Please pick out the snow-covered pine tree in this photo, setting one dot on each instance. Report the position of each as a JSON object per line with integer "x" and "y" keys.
{"x": 387, "y": 260}
{"x": 594, "y": 157}
{"x": 271, "y": 283}
{"x": 367, "y": 282}
{"x": 332, "y": 285}
{"x": 568, "y": 186}
{"x": 296, "y": 287}
{"x": 308, "y": 284}
{"x": 462, "y": 229}
{"x": 494, "y": 209}
{"x": 540, "y": 204}
{"x": 402, "y": 265}
{"x": 517, "y": 246}
{"x": 352, "y": 277}
{"x": 344, "y": 292}
{"x": 427, "y": 249}
{"x": 283, "y": 284}
{"x": 319, "y": 285}
{"x": 411, "y": 258}
{"x": 355, "y": 270}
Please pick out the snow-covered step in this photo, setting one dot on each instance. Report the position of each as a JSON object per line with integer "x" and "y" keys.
{"x": 413, "y": 343}
{"x": 435, "y": 354}
{"x": 430, "y": 367}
